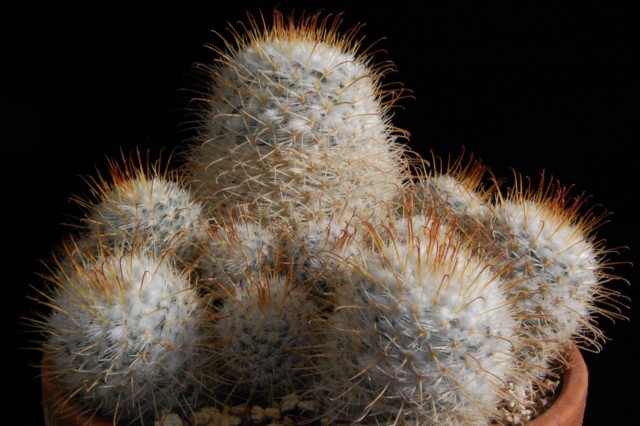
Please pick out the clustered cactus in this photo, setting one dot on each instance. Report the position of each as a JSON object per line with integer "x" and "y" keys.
{"x": 300, "y": 251}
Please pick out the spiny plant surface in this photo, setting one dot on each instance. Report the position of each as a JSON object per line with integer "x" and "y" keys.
{"x": 319, "y": 249}
{"x": 547, "y": 247}
{"x": 454, "y": 189}
{"x": 296, "y": 124}
{"x": 237, "y": 250}
{"x": 263, "y": 338}
{"x": 143, "y": 205}
{"x": 125, "y": 335}
{"x": 423, "y": 331}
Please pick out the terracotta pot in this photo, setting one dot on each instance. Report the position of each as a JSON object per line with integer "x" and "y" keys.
{"x": 567, "y": 410}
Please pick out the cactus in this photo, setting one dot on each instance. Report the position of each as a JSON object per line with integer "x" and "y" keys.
{"x": 319, "y": 248}
{"x": 547, "y": 248}
{"x": 296, "y": 125}
{"x": 539, "y": 240}
{"x": 237, "y": 251}
{"x": 455, "y": 190}
{"x": 145, "y": 206}
{"x": 423, "y": 331}
{"x": 126, "y": 335}
{"x": 263, "y": 338}
{"x": 297, "y": 254}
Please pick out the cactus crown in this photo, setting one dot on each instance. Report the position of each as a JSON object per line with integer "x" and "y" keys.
{"x": 319, "y": 33}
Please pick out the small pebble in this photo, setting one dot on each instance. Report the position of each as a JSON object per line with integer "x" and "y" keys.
{"x": 200, "y": 418}
{"x": 214, "y": 414}
{"x": 238, "y": 410}
{"x": 257, "y": 414}
{"x": 272, "y": 413}
{"x": 289, "y": 402}
{"x": 170, "y": 419}
{"x": 287, "y": 421}
{"x": 227, "y": 420}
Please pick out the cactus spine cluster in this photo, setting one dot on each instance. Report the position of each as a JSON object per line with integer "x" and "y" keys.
{"x": 297, "y": 254}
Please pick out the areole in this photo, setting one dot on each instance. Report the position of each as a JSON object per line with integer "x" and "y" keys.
{"x": 567, "y": 410}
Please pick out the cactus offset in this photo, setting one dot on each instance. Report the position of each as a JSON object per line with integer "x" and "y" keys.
{"x": 547, "y": 248}
{"x": 146, "y": 206}
{"x": 263, "y": 339}
{"x": 296, "y": 124}
{"x": 423, "y": 331}
{"x": 125, "y": 335}
{"x": 319, "y": 248}
{"x": 238, "y": 250}
{"x": 455, "y": 190}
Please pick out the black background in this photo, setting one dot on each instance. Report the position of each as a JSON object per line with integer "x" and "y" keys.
{"x": 518, "y": 84}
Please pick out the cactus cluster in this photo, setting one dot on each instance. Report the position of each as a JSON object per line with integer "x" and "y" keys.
{"x": 298, "y": 251}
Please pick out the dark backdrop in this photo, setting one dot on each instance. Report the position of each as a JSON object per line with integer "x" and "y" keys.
{"x": 527, "y": 87}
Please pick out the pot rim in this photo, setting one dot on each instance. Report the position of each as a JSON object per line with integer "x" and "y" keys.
{"x": 568, "y": 408}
